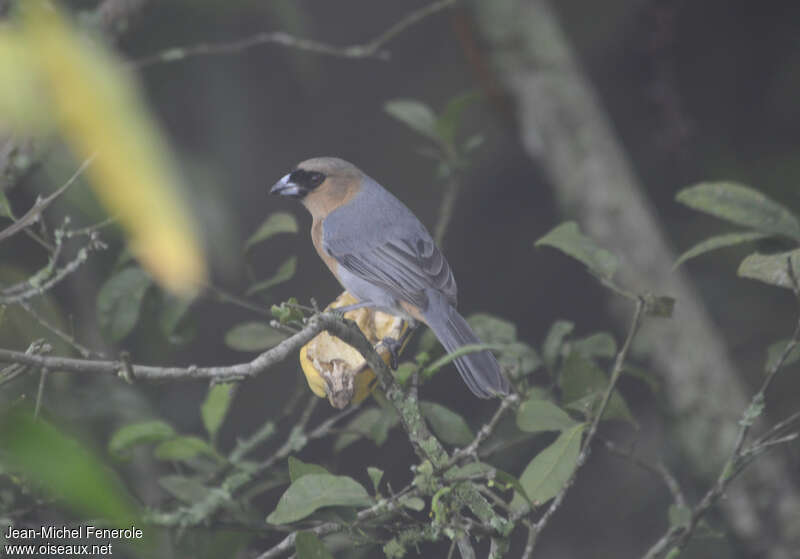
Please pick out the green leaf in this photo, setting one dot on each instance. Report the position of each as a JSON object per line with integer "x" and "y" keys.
{"x": 551, "y": 348}
{"x": 120, "y": 300}
{"x": 338, "y": 515}
{"x": 373, "y": 423}
{"x": 298, "y": 469}
{"x": 253, "y": 336}
{"x": 446, "y": 424}
{"x": 535, "y": 415}
{"x": 647, "y": 377}
{"x": 63, "y": 468}
{"x": 519, "y": 358}
{"x": 428, "y": 341}
{"x": 580, "y": 376}
{"x": 568, "y": 238}
{"x": 510, "y": 482}
{"x": 447, "y": 358}
{"x": 215, "y": 407}
{"x": 375, "y": 474}
{"x": 315, "y": 491}
{"x": 741, "y": 205}
{"x": 393, "y": 549}
{"x": 772, "y": 268}
{"x": 186, "y": 489}
{"x": 287, "y": 311}
{"x": 278, "y": 222}
{"x": 717, "y": 242}
{"x": 404, "y": 372}
{"x": 617, "y": 407}
{"x": 135, "y": 434}
{"x": 774, "y": 351}
{"x": 513, "y": 355}
{"x": 309, "y": 546}
{"x": 550, "y": 470}
{"x": 492, "y": 329}
{"x": 413, "y": 503}
{"x": 472, "y": 143}
{"x": 448, "y": 122}
{"x": 583, "y": 384}
{"x": 173, "y": 311}
{"x": 183, "y": 448}
{"x": 284, "y": 273}
{"x": 5, "y": 206}
{"x": 600, "y": 344}
{"x": 414, "y": 114}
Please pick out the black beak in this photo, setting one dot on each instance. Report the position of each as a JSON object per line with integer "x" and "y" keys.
{"x": 286, "y": 187}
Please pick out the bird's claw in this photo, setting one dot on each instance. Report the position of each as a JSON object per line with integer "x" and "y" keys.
{"x": 393, "y": 347}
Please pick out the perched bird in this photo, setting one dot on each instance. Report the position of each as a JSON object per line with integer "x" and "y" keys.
{"x": 381, "y": 253}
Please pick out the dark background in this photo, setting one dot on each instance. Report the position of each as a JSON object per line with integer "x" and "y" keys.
{"x": 696, "y": 91}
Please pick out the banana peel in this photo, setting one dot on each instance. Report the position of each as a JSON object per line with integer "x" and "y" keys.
{"x": 337, "y": 370}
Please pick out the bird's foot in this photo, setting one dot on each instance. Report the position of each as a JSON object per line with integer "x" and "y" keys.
{"x": 393, "y": 346}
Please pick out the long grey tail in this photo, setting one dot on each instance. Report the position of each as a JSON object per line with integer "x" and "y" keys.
{"x": 479, "y": 369}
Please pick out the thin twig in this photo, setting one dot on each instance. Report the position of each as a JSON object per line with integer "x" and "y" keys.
{"x": 248, "y": 445}
{"x": 530, "y": 541}
{"x": 327, "y": 426}
{"x": 40, "y": 393}
{"x": 677, "y": 537}
{"x": 759, "y": 448}
{"x": 451, "y": 550}
{"x": 32, "y": 215}
{"x": 89, "y": 229}
{"x": 658, "y": 469}
{"x": 486, "y": 431}
{"x": 37, "y": 277}
{"x": 494, "y": 498}
{"x": 779, "y": 427}
{"x": 83, "y": 350}
{"x": 370, "y": 49}
{"x": 59, "y": 275}
{"x": 236, "y": 480}
{"x": 228, "y": 297}
{"x": 616, "y": 372}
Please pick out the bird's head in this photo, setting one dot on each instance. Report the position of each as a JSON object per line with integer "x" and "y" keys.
{"x": 321, "y": 181}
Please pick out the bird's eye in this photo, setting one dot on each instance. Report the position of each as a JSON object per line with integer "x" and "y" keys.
{"x": 307, "y": 179}
{"x": 315, "y": 179}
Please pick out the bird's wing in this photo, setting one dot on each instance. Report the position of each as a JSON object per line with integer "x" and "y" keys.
{"x": 406, "y": 268}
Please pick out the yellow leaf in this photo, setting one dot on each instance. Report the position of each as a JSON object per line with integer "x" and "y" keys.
{"x": 23, "y": 105}
{"x": 98, "y": 108}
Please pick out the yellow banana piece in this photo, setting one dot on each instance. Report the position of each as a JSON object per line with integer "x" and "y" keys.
{"x": 337, "y": 370}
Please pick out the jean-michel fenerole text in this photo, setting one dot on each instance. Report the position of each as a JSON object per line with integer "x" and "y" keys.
{"x": 73, "y": 532}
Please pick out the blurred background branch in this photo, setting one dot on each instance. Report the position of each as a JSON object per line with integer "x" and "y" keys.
{"x": 370, "y": 49}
